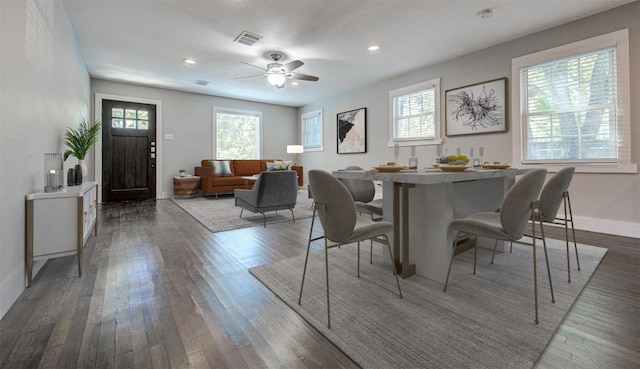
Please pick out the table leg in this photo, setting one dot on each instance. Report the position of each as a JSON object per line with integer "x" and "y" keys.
{"x": 396, "y": 226}
{"x": 407, "y": 269}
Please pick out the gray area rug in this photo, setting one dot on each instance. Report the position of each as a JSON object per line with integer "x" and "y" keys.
{"x": 482, "y": 321}
{"x": 222, "y": 215}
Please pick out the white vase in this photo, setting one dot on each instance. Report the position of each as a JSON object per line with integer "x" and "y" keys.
{"x": 84, "y": 168}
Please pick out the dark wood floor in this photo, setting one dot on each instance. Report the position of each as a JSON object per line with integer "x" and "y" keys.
{"x": 160, "y": 291}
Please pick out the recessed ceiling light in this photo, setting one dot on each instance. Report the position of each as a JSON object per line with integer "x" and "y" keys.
{"x": 373, "y": 47}
{"x": 486, "y": 13}
{"x": 188, "y": 61}
{"x": 294, "y": 83}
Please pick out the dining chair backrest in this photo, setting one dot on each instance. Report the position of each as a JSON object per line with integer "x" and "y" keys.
{"x": 363, "y": 190}
{"x": 553, "y": 192}
{"x": 334, "y": 204}
{"x": 515, "y": 210}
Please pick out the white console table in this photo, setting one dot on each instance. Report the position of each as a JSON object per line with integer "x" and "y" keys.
{"x": 59, "y": 223}
{"x": 421, "y": 206}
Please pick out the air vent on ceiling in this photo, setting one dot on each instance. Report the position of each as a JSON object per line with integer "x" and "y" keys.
{"x": 201, "y": 82}
{"x": 247, "y": 38}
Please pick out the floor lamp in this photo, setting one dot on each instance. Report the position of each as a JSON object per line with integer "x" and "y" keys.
{"x": 295, "y": 150}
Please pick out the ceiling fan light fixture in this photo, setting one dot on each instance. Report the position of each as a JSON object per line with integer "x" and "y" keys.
{"x": 276, "y": 79}
{"x": 374, "y": 47}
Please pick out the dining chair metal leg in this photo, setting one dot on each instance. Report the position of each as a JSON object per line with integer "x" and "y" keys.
{"x": 293, "y": 215}
{"x": 393, "y": 265}
{"x": 371, "y": 253}
{"x": 326, "y": 266}
{"x": 306, "y": 258}
{"x": 495, "y": 246}
{"x": 573, "y": 230}
{"x": 535, "y": 264}
{"x": 453, "y": 253}
{"x": 358, "y": 259}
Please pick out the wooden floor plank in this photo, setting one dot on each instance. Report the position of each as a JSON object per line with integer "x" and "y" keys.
{"x": 161, "y": 291}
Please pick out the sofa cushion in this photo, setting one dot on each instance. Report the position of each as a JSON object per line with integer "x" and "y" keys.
{"x": 221, "y": 168}
{"x": 246, "y": 167}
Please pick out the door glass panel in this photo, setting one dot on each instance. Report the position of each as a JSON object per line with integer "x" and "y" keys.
{"x": 117, "y": 113}
{"x": 130, "y": 123}
{"x": 143, "y": 124}
{"x": 143, "y": 114}
{"x": 117, "y": 123}
{"x": 130, "y": 113}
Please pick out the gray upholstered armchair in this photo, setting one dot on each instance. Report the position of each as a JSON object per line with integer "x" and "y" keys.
{"x": 273, "y": 190}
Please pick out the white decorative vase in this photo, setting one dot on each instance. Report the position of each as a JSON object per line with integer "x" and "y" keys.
{"x": 84, "y": 168}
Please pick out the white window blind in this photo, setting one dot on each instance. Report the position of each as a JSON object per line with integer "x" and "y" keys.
{"x": 414, "y": 114}
{"x": 570, "y": 109}
{"x": 312, "y": 131}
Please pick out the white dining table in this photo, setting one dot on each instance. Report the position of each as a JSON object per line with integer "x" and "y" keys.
{"x": 422, "y": 204}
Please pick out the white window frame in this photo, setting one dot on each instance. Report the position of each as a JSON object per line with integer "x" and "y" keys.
{"x": 393, "y": 94}
{"x": 257, "y": 114}
{"x": 619, "y": 39}
{"x": 303, "y": 129}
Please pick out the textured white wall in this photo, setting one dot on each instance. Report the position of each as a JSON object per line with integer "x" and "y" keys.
{"x": 44, "y": 88}
{"x": 607, "y": 203}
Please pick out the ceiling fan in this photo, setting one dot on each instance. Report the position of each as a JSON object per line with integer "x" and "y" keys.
{"x": 278, "y": 73}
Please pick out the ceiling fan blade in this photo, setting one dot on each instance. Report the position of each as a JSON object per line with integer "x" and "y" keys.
{"x": 292, "y": 65}
{"x": 255, "y": 75}
{"x": 251, "y": 65}
{"x": 302, "y": 77}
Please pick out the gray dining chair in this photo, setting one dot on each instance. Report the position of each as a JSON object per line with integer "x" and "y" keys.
{"x": 337, "y": 213}
{"x": 554, "y": 192}
{"x": 363, "y": 192}
{"x": 508, "y": 224}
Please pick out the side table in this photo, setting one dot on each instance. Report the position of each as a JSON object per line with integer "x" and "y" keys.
{"x": 185, "y": 187}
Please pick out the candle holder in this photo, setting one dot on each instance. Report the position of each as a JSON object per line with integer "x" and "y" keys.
{"x": 52, "y": 172}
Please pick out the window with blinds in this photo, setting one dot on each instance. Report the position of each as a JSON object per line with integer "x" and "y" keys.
{"x": 414, "y": 113}
{"x": 312, "y": 131}
{"x": 570, "y": 109}
{"x": 237, "y": 134}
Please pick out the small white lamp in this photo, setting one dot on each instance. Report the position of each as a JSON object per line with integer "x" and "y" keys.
{"x": 295, "y": 150}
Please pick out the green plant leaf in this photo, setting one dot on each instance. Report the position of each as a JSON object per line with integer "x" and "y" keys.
{"x": 81, "y": 139}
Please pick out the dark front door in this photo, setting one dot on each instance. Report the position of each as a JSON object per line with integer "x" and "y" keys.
{"x": 128, "y": 151}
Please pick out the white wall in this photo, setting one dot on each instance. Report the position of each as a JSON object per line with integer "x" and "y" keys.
{"x": 44, "y": 88}
{"x": 189, "y": 117}
{"x": 608, "y": 203}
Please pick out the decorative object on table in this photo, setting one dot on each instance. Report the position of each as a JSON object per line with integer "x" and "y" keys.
{"x": 495, "y": 165}
{"x": 52, "y": 172}
{"x": 78, "y": 171}
{"x": 352, "y": 131}
{"x": 452, "y": 168}
{"x": 80, "y": 140}
{"x": 389, "y": 168}
{"x": 413, "y": 160}
{"x": 478, "y": 108}
{"x": 71, "y": 177}
{"x": 453, "y": 163}
{"x": 182, "y": 172}
{"x": 295, "y": 150}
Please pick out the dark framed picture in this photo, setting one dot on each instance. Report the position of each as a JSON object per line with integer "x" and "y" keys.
{"x": 478, "y": 108}
{"x": 352, "y": 131}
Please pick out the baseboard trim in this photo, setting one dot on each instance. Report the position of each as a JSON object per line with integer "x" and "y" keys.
{"x": 614, "y": 227}
{"x": 12, "y": 287}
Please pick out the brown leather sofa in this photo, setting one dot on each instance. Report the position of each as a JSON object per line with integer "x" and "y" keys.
{"x": 213, "y": 185}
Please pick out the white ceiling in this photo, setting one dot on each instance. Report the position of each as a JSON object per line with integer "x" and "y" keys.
{"x": 144, "y": 42}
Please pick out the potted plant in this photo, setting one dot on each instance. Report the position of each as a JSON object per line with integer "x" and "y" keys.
{"x": 80, "y": 139}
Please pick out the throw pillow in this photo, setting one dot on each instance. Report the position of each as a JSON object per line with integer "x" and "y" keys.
{"x": 221, "y": 168}
{"x": 271, "y": 166}
{"x": 281, "y": 165}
